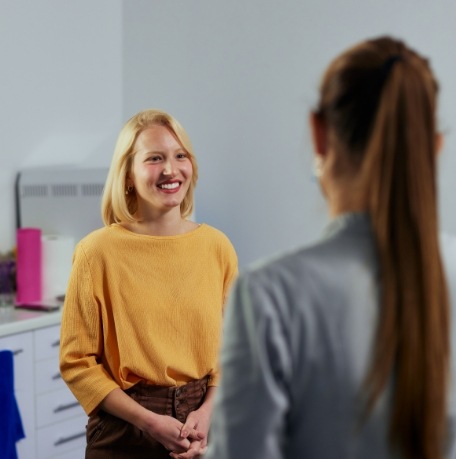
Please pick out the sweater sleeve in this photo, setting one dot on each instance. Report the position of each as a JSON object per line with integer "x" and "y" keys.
{"x": 231, "y": 271}
{"x": 81, "y": 344}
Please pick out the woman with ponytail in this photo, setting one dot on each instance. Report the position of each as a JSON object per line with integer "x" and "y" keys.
{"x": 342, "y": 349}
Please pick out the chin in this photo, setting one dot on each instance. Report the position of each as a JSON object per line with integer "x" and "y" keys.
{"x": 171, "y": 206}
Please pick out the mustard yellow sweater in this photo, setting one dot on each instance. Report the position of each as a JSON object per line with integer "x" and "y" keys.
{"x": 144, "y": 308}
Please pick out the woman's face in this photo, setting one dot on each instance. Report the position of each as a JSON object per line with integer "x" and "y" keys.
{"x": 161, "y": 172}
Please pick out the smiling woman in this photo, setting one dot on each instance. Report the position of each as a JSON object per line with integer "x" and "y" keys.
{"x": 142, "y": 316}
{"x": 161, "y": 173}
{"x": 150, "y": 145}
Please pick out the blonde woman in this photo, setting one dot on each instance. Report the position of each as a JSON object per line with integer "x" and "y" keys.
{"x": 142, "y": 316}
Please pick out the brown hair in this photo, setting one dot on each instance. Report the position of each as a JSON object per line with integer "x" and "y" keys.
{"x": 116, "y": 206}
{"x": 379, "y": 101}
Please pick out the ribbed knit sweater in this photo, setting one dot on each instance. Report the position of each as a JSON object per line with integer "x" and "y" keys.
{"x": 144, "y": 308}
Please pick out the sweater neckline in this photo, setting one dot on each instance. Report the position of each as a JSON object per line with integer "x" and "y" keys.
{"x": 119, "y": 227}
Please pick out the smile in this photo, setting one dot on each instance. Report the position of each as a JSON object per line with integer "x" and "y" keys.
{"x": 169, "y": 186}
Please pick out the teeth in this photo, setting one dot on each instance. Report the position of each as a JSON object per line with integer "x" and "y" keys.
{"x": 169, "y": 186}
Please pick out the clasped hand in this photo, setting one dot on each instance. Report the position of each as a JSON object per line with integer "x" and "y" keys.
{"x": 191, "y": 441}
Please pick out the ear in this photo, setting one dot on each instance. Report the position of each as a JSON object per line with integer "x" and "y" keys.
{"x": 128, "y": 181}
{"x": 439, "y": 142}
{"x": 319, "y": 133}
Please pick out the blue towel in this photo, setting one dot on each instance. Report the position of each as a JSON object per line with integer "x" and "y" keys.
{"x": 11, "y": 429}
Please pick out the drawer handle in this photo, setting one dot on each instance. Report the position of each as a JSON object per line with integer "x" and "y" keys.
{"x": 56, "y": 376}
{"x": 65, "y": 407}
{"x": 63, "y": 440}
{"x": 18, "y": 351}
{"x": 56, "y": 343}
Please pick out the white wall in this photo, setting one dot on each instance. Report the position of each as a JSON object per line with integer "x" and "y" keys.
{"x": 242, "y": 76}
{"x": 60, "y": 91}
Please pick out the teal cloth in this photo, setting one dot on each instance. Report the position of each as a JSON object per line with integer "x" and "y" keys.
{"x": 11, "y": 429}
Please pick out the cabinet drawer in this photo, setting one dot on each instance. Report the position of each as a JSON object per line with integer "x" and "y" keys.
{"x": 47, "y": 342}
{"x": 54, "y": 407}
{"x": 22, "y": 347}
{"x": 26, "y": 403}
{"x": 47, "y": 376}
{"x": 55, "y": 440}
{"x": 78, "y": 453}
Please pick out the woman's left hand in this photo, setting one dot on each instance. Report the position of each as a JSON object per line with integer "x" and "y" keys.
{"x": 200, "y": 419}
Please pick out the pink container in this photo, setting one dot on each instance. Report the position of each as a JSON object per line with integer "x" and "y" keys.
{"x": 28, "y": 265}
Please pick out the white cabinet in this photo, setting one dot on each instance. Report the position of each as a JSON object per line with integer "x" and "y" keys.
{"x": 60, "y": 420}
{"x": 54, "y": 422}
{"x": 63, "y": 439}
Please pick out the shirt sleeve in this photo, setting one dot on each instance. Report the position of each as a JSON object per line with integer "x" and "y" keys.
{"x": 81, "y": 338}
{"x": 249, "y": 418}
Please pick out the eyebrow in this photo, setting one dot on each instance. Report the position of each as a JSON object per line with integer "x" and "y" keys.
{"x": 159, "y": 152}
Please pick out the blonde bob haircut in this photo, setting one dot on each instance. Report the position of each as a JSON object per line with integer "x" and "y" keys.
{"x": 118, "y": 206}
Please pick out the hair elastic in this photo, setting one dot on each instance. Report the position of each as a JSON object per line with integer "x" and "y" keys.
{"x": 389, "y": 63}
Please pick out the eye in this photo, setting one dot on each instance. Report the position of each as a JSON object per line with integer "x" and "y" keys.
{"x": 182, "y": 155}
{"x": 154, "y": 158}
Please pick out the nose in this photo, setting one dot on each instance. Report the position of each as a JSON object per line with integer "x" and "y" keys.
{"x": 168, "y": 168}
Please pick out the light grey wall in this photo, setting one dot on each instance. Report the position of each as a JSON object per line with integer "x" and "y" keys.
{"x": 242, "y": 76}
{"x": 60, "y": 91}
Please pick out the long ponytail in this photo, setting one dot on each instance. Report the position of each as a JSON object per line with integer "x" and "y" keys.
{"x": 397, "y": 142}
{"x": 413, "y": 331}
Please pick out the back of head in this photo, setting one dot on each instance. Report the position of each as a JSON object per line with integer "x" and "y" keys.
{"x": 117, "y": 206}
{"x": 378, "y": 100}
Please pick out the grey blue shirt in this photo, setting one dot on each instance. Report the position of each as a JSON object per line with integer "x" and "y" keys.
{"x": 297, "y": 342}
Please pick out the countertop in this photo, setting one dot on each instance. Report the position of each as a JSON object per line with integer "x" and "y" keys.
{"x": 14, "y": 320}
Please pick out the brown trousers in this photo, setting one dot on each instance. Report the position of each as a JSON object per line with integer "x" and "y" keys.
{"x": 109, "y": 437}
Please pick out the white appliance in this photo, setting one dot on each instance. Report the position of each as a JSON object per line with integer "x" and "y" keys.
{"x": 60, "y": 200}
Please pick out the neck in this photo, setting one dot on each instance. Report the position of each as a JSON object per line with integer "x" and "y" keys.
{"x": 340, "y": 208}
{"x": 167, "y": 224}
{"x": 344, "y": 198}
{"x": 342, "y": 184}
